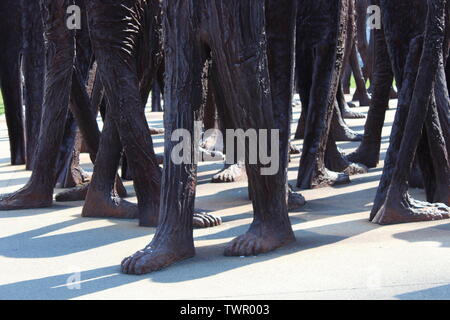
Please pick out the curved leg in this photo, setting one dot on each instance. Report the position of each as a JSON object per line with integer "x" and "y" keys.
{"x": 340, "y": 130}
{"x": 66, "y": 152}
{"x": 101, "y": 200}
{"x": 346, "y": 111}
{"x": 12, "y": 99}
{"x": 33, "y": 65}
{"x": 361, "y": 94}
{"x": 312, "y": 172}
{"x": 336, "y": 161}
{"x": 368, "y": 152}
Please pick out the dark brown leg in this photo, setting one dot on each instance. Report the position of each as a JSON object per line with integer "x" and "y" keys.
{"x": 280, "y": 53}
{"x": 368, "y": 152}
{"x": 339, "y": 128}
{"x": 337, "y": 162}
{"x": 361, "y": 94}
{"x": 251, "y": 107}
{"x": 33, "y": 65}
{"x": 101, "y": 200}
{"x": 312, "y": 172}
{"x": 10, "y": 77}
{"x": 173, "y": 240}
{"x": 12, "y": 98}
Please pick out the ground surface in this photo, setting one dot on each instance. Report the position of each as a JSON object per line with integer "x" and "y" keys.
{"x": 338, "y": 253}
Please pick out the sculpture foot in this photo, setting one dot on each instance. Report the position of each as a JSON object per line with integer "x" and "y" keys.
{"x": 294, "y": 149}
{"x": 349, "y": 114}
{"x": 347, "y": 135}
{"x": 260, "y": 238}
{"x": 364, "y": 102}
{"x": 295, "y": 200}
{"x": 368, "y": 155}
{"x": 157, "y": 255}
{"x": 330, "y": 179}
{"x": 356, "y": 168}
{"x": 156, "y": 131}
{"x": 85, "y": 177}
{"x": 74, "y": 194}
{"x": 109, "y": 207}
{"x": 26, "y": 198}
{"x": 409, "y": 210}
{"x": 231, "y": 173}
{"x": 204, "y": 220}
{"x": 211, "y": 155}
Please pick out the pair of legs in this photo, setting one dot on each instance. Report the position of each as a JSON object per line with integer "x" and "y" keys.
{"x": 417, "y": 129}
{"x": 363, "y": 46}
{"x": 125, "y": 36}
{"x": 321, "y": 29}
{"x": 232, "y": 33}
{"x": 368, "y": 152}
{"x": 305, "y": 67}
{"x": 118, "y": 46}
{"x": 351, "y": 58}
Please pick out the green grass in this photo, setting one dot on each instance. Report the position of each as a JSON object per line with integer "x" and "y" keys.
{"x": 2, "y": 107}
{"x": 352, "y": 82}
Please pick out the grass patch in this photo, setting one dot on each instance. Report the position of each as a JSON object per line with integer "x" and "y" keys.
{"x": 352, "y": 83}
{"x": 2, "y": 107}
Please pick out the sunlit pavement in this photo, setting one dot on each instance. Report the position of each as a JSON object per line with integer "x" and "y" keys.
{"x": 53, "y": 253}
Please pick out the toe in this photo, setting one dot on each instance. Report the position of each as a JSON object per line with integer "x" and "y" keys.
{"x": 250, "y": 248}
{"x": 198, "y": 222}
{"x": 231, "y": 248}
{"x": 208, "y": 221}
{"x": 124, "y": 265}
